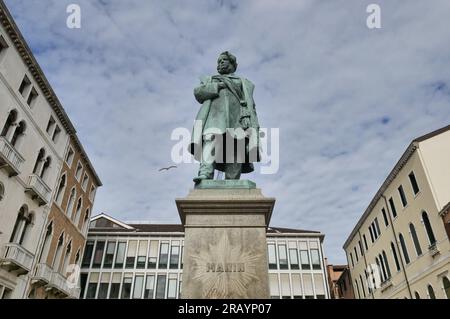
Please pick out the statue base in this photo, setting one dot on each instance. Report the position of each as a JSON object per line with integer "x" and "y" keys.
{"x": 225, "y": 248}
{"x": 225, "y": 184}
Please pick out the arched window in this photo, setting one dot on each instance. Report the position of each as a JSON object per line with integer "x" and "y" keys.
{"x": 47, "y": 163}
{"x": 380, "y": 270}
{"x": 446, "y": 284}
{"x": 86, "y": 221}
{"x": 416, "y": 294}
{"x": 47, "y": 243}
{"x": 18, "y": 134}
{"x": 383, "y": 267}
{"x": 2, "y": 191}
{"x": 394, "y": 254}
{"x": 71, "y": 202}
{"x": 362, "y": 286}
{"x": 66, "y": 258}
{"x": 386, "y": 264}
{"x": 405, "y": 251}
{"x": 39, "y": 162}
{"x": 9, "y": 125}
{"x": 61, "y": 189}
{"x": 22, "y": 226}
{"x": 78, "y": 211}
{"x": 415, "y": 239}
{"x": 357, "y": 289}
{"x": 428, "y": 228}
{"x": 77, "y": 258}
{"x": 431, "y": 292}
{"x": 58, "y": 253}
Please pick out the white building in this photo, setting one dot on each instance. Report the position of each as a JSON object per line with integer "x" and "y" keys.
{"x": 146, "y": 261}
{"x": 402, "y": 233}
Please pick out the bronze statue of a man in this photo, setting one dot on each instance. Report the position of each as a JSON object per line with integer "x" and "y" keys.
{"x": 226, "y": 131}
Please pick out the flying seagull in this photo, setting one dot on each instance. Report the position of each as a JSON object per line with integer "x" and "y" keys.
{"x": 167, "y": 168}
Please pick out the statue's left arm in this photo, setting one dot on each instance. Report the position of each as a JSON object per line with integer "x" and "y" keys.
{"x": 207, "y": 90}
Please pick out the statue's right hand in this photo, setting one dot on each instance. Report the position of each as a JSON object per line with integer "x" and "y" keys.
{"x": 221, "y": 86}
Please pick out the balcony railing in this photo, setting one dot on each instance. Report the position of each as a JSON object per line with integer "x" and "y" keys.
{"x": 43, "y": 274}
{"x": 10, "y": 159}
{"x": 16, "y": 259}
{"x": 58, "y": 284}
{"x": 38, "y": 189}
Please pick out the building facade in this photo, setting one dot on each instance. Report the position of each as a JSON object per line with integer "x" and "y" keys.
{"x": 339, "y": 282}
{"x": 35, "y": 135}
{"x": 399, "y": 247}
{"x": 146, "y": 261}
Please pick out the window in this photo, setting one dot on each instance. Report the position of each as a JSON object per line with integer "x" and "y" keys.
{"x": 272, "y": 256}
{"x": 149, "y": 287}
{"x": 377, "y": 227}
{"x": 161, "y": 287}
{"x": 104, "y": 286}
{"x": 85, "y": 221}
{"x": 32, "y": 97}
{"x": 92, "y": 286}
{"x": 9, "y": 124}
{"x": 24, "y": 86}
{"x": 58, "y": 253}
{"x": 293, "y": 255}
{"x": 428, "y": 228}
{"x": 66, "y": 258}
{"x": 98, "y": 255}
{"x": 315, "y": 258}
{"x": 163, "y": 255}
{"x": 416, "y": 294}
{"x": 47, "y": 163}
{"x": 69, "y": 157}
{"x": 380, "y": 268}
{"x": 39, "y": 162}
{"x": 386, "y": 264}
{"x": 138, "y": 286}
{"x": 365, "y": 242}
{"x": 414, "y": 185}
{"x": 153, "y": 254}
{"x": 282, "y": 255}
{"x": 174, "y": 255}
{"x": 22, "y": 226}
{"x": 357, "y": 289}
{"x": 142, "y": 254}
{"x": 386, "y": 221}
{"x": 2, "y": 191}
{"x": 172, "y": 287}
{"x": 285, "y": 286}
{"x": 18, "y": 135}
{"x": 50, "y": 126}
{"x": 126, "y": 286}
{"x": 362, "y": 286}
{"x": 296, "y": 286}
{"x": 405, "y": 251}
{"x": 402, "y": 196}
{"x": 372, "y": 239}
{"x": 394, "y": 211}
{"x": 351, "y": 259}
{"x": 360, "y": 248}
{"x": 431, "y": 292}
{"x": 92, "y": 193}
{"x": 3, "y": 47}
{"x": 88, "y": 254}
{"x": 71, "y": 202}
{"x": 109, "y": 254}
{"x": 274, "y": 287}
{"x": 356, "y": 254}
{"x": 78, "y": 171}
{"x": 56, "y": 134}
{"x": 115, "y": 286}
{"x": 85, "y": 181}
{"x": 304, "y": 256}
{"x": 61, "y": 189}
{"x": 131, "y": 254}
{"x": 446, "y": 285}
{"x": 308, "y": 286}
{"x": 83, "y": 281}
{"x": 412, "y": 231}
{"x": 47, "y": 242}
{"x": 394, "y": 254}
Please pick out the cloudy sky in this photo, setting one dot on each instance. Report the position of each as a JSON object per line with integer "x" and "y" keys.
{"x": 347, "y": 99}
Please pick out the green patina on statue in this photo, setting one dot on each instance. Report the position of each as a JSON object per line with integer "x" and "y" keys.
{"x": 226, "y": 132}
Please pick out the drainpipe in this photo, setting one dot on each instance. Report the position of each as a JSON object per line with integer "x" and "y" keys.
{"x": 365, "y": 262}
{"x": 397, "y": 247}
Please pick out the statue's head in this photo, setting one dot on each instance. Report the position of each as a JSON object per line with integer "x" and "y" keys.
{"x": 226, "y": 63}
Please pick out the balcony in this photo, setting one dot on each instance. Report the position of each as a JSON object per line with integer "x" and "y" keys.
{"x": 16, "y": 259}
{"x": 58, "y": 285}
{"x": 434, "y": 250}
{"x": 38, "y": 190}
{"x": 10, "y": 159}
{"x": 43, "y": 274}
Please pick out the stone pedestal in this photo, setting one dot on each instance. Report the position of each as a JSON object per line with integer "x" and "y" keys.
{"x": 225, "y": 248}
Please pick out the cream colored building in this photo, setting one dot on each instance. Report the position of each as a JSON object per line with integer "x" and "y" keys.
{"x": 399, "y": 247}
{"x": 35, "y": 136}
{"x": 137, "y": 260}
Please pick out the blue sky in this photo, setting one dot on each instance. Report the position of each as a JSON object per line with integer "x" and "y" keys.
{"x": 347, "y": 99}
